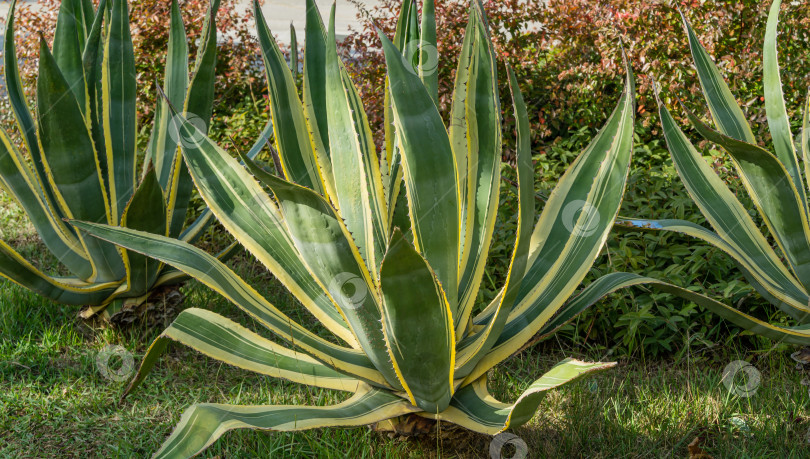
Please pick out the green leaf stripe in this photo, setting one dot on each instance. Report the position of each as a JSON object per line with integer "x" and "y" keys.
{"x": 213, "y": 273}
{"x": 202, "y": 424}
{"x": 222, "y": 339}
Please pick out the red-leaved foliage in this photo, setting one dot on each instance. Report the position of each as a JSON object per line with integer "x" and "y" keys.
{"x": 567, "y": 54}
{"x": 515, "y": 32}
{"x": 237, "y": 72}
{"x": 586, "y": 56}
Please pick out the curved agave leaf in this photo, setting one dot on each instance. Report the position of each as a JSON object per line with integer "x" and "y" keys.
{"x": 775, "y": 106}
{"x": 328, "y": 251}
{"x": 247, "y": 212}
{"x": 66, "y": 141}
{"x": 475, "y": 409}
{"x": 18, "y": 178}
{"x": 202, "y": 424}
{"x": 66, "y": 291}
{"x": 418, "y": 326}
{"x": 291, "y": 135}
{"x": 791, "y": 335}
{"x": 119, "y": 111}
{"x": 475, "y": 132}
{"x": 571, "y": 231}
{"x": 214, "y": 274}
{"x": 229, "y": 342}
{"x": 726, "y": 113}
{"x": 612, "y": 282}
{"x": 483, "y": 341}
{"x": 193, "y": 232}
{"x": 16, "y": 95}
{"x": 718, "y": 204}
{"x": 769, "y": 185}
{"x": 358, "y": 183}
{"x": 772, "y": 191}
{"x": 773, "y": 278}
{"x": 430, "y": 182}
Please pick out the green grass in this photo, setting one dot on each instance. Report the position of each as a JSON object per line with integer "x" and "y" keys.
{"x": 55, "y": 402}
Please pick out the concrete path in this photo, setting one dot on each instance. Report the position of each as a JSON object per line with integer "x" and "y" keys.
{"x": 4, "y": 4}
{"x": 279, "y": 14}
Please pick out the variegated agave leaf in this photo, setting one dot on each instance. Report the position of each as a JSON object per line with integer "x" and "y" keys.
{"x": 81, "y": 144}
{"x": 400, "y": 300}
{"x": 773, "y": 181}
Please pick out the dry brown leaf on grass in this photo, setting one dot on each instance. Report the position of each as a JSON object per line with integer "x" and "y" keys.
{"x": 696, "y": 452}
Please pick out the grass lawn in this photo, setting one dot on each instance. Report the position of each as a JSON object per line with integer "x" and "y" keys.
{"x": 55, "y": 402}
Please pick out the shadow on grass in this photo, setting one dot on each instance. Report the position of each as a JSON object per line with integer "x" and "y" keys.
{"x": 54, "y": 401}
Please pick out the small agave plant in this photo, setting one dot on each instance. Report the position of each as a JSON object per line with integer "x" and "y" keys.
{"x": 773, "y": 181}
{"x": 81, "y": 142}
{"x": 400, "y": 300}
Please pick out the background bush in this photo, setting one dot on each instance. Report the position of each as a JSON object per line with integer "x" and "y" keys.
{"x": 567, "y": 54}
{"x": 240, "y": 78}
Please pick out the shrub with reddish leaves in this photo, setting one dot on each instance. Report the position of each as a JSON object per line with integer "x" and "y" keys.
{"x": 584, "y": 35}
{"x": 238, "y": 75}
{"x": 515, "y": 33}
{"x": 567, "y": 53}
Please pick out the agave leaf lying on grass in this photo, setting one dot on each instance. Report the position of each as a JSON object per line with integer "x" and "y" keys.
{"x": 83, "y": 159}
{"x": 400, "y": 300}
{"x": 774, "y": 183}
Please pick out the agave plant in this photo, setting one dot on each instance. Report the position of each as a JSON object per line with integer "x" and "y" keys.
{"x": 409, "y": 336}
{"x": 773, "y": 181}
{"x": 81, "y": 143}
